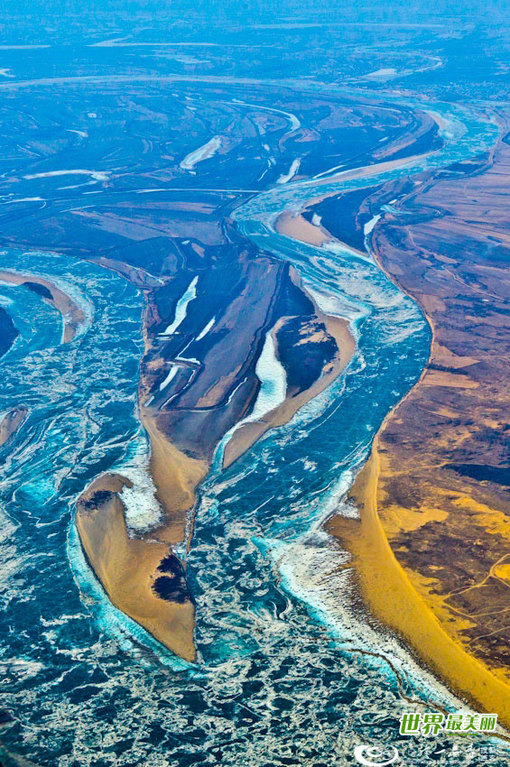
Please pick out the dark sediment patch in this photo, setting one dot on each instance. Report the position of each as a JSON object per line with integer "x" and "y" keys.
{"x": 448, "y": 369}
{"x": 8, "y": 332}
{"x": 303, "y": 358}
{"x": 482, "y": 472}
{"x": 171, "y": 564}
{"x": 170, "y": 589}
{"x": 340, "y": 216}
{"x": 41, "y": 290}
{"x": 97, "y": 499}
{"x": 172, "y": 585}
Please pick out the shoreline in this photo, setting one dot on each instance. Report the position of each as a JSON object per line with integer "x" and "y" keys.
{"x": 176, "y": 477}
{"x": 388, "y": 591}
{"x": 246, "y": 436}
{"x": 386, "y": 587}
{"x": 296, "y": 226}
{"x": 11, "y": 422}
{"x": 129, "y": 569}
{"x": 71, "y": 312}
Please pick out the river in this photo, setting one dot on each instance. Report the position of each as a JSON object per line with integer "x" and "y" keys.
{"x": 290, "y": 669}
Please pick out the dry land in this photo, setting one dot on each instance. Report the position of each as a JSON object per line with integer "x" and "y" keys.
{"x": 432, "y": 549}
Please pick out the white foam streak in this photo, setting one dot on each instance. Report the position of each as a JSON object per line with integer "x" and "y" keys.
{"x": 170, "y": 376}
{"x": 142, "y": 510}
{"x": 310, "y": 571}
{"x": 97, "y": 175}
{"x": 207, "y": 328}
{"x": 273, "y": 382}
{"x": 291, "y": 172}
{"x": 182, "y": 307}
{"x": 202, "y": 153}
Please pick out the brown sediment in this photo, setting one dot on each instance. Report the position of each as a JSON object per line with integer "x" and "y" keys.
{"x": 72, "y": 314}
{"x": 294, "y": 225}
{"x": 393, "y": 598}
{"x": 247, "y": 434}
{"x": 128, "y": 567}
{"x": 176, "y": 476}
{"x": 366, "y": 171}
{"x": 11, "y": 422}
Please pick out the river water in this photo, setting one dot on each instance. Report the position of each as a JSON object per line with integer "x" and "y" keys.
{"x": 290, "y": 669}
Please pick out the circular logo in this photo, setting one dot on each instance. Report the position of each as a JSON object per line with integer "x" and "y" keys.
{"x": 376, "y": 756}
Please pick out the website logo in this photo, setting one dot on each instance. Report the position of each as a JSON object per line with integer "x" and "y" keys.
{"x": 375, "y": 756}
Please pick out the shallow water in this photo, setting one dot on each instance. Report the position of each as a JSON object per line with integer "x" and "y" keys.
{"x": 290, "y": 670}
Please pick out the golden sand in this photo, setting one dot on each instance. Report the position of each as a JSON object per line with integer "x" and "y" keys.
{"x": 127, "y": 568}
{"x": 298, "y": 228}
{"x": 176, "y": 477}
{"x": 295, "y": 226}
{"x": 393, "y": 598}
{"x": 72, "y": 314}
{"x": 399, "y": 598}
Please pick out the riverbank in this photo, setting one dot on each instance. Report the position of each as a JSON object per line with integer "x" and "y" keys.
{"x": 244, "y": 437}
{"x": 392, "y": 597}
{"x": 11, "y": 422}
{"x": 176, "y": 476}
{"x": 72, "y": 314}
{"x": 132, "y": 569}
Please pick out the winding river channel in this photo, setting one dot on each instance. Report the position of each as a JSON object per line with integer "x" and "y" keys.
{"x": 290, "y": 669}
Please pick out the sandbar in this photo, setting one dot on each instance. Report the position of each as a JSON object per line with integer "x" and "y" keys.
{"x": 72, "y": 314}
{"x": 129, "y": 567}
{"x": 247, "y": 434}
{"x": 176, "y": 476}
{"x": 11, "y": 422}
{"x": 393, "y": 599}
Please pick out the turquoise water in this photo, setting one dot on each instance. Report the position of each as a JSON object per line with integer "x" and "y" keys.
{"x": 290, "y": 669}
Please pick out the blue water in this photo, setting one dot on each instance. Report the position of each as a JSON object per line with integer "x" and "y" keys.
{"x": 290, "y": 670}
